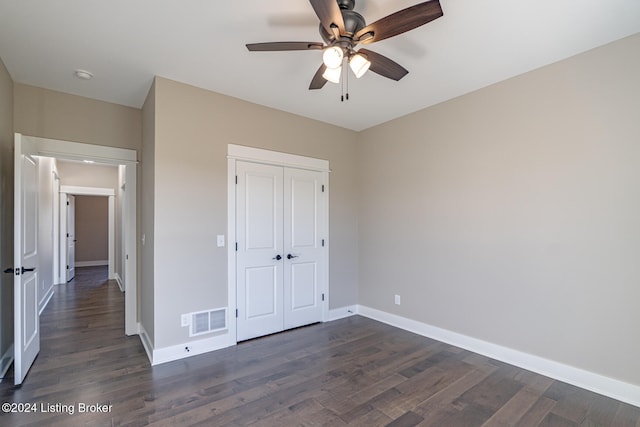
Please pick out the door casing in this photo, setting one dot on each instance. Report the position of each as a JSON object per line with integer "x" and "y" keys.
{"x": 70, "y": 238}
{"x": 242, "y": 153}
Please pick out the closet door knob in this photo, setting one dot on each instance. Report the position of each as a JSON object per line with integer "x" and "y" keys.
{"x": 277, "y": 257}
{"x": 289, "y": 256}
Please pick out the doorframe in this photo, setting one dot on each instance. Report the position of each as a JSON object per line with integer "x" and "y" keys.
{"x": 237, "y": 153}
{"x": 69, "y": 150}
{"x": 65, "y": 191}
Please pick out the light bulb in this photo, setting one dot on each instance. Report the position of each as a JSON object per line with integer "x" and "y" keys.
{"x": 332, "y": 57}
{"x": 359, "y": 64}
{"x": 332, "y": 74}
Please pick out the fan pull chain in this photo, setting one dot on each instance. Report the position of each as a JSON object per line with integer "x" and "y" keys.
{"x": 344, "y": 78}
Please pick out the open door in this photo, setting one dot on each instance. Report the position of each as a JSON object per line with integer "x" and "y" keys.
{"x": 27, "y": 322}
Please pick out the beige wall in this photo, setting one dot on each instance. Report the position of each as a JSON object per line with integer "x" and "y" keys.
{"x": 50, "y": 114}
{"x": 511, "y": 214}
{"x": 6, "y": 209}
{"x": 192, "y": 129}
{"x": 92, "y": 229}
{"x": 88, "y": 175}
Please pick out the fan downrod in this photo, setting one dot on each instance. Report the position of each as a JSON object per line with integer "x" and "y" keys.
{"x": 346, "y": 4}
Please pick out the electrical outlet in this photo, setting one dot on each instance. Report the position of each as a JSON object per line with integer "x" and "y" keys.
{"x": 397, "y": 299}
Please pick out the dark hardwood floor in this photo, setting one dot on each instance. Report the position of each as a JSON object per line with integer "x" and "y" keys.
{"x": 354, "y": 371}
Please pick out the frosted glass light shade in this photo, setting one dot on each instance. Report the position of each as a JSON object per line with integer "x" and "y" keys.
{"x": 332, "y": 57}
{"x": 332, "y": 74}
{"x": 359, "y": 64}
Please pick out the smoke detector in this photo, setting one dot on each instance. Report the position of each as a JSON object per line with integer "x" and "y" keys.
{"x": 83, "y": 74}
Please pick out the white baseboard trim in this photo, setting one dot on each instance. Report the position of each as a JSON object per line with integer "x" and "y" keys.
{"x": 6, "y": 361}
{"x": 46, "y": 300}
{"x": 342, "y": 312}
{"x": 181, "y": 351}
{"x": 119, "y": 281}
{"x": 92, "y": 263}
{"x": 146, "y": 342}
{"x": 616, "y": 389}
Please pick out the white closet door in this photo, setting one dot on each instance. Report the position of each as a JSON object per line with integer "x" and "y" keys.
{"x": 304, "y": 254}
{"x": 259, "y": 233}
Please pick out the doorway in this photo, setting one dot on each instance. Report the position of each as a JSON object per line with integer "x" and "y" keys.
{"x": 67, "y": 224}
{"x": 26, "y": 246}
{"x": 278, "y": 226}
{"x": 127, "y": 161}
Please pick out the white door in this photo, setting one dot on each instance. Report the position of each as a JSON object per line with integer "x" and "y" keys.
{"x": 279, "y": 248}
{"x": 27, "y": 322}
{"x": 260, "y": 250}
{"x": 303, "y": 247}
{"x": 71, "y": 237}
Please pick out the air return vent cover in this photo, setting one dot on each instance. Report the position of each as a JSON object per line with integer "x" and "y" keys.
{"x": 205, "y": 322}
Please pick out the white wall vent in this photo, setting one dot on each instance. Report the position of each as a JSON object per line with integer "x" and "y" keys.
{"x": 204, "y": 322}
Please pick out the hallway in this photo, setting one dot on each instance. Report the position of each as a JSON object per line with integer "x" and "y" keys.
{"x": 84, "y": 353}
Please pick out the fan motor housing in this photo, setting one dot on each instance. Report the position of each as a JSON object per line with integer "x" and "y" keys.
{"x": 353, "y": 22}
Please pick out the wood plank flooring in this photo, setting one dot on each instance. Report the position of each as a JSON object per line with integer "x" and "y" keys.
{"x": 354, "y": 371}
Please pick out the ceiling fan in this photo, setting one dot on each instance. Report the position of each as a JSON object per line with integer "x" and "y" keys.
{"x": 342, "y": 29}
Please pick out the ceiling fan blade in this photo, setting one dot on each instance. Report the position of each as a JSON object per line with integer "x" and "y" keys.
{"x": 318, "y": 81}
{"x": 402, "y": 21}
{"x": 384, "y": 66}
{"x": 329, "y": 14}
{"x": 277, "y": 46}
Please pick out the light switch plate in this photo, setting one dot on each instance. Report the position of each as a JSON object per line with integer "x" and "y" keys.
{"x": 220, "y": 240}
{"x": 185, "y": 320}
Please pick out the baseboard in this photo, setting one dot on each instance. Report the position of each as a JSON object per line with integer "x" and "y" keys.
{"x": 119, "y": 281}
{"x": 146, "y": 342}
{"x": 92, "y": 263}
{"x": 6, "y": 361}
{"x": 184, "y": 350}
{"x": 342, "y": 312}
{"x": 622, "y": 391}
{"x": 191, "y": 348}
{"x": 46, "y": 300}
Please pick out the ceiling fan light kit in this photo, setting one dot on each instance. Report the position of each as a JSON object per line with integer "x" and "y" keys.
{"x": 332, "y": 57}
{"x": 342, "y": 29}
{"x": 332, "y": 74}
{"x": 359, "y": 64}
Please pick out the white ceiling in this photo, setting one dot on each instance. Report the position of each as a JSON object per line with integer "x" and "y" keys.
{"x": 124, "y": 43}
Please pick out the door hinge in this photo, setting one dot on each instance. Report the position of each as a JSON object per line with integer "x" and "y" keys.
{"x": 67, "y": 234}
{"x": 323, "y": 188}
{"x": 67, "y": 267}
{"x": 236, "y": 312}
{"x": 236, "y": 179}
{"x": 322, "y": 297}
{"x": 323, "y": 243}
{"x": 236, "y": 246}
{"x": 67, "y": 203}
